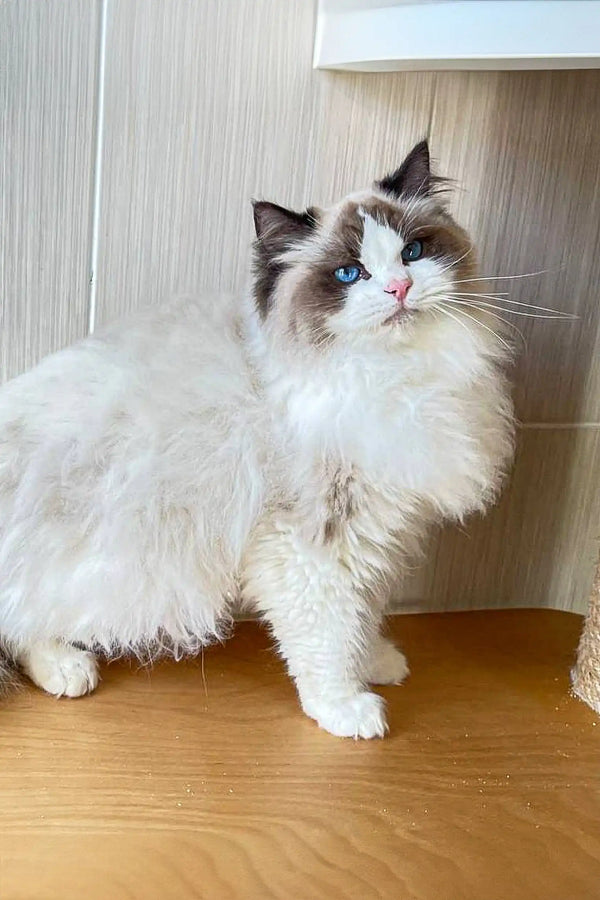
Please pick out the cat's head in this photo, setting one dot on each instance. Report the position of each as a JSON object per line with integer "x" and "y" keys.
{"x": 378, "y": 262}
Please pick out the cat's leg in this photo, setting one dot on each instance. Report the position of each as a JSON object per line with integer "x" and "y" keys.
{"x": 386, "y": 664}
{"x": 60, "y": 668}
{"x": 324, "y": 627}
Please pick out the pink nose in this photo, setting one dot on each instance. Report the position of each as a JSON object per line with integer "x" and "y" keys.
{"x": 399, "y": 288}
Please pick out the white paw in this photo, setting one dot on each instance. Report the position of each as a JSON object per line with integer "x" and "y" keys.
{"x": 359, "y": 716}
{"x": 61, "y": 669}
{"x": 388, "y": 664}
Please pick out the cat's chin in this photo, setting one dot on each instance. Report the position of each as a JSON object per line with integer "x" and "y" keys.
{"x": 400, "y": 318}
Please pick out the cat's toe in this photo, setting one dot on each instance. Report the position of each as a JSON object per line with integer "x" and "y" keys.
{"x": 61, "y": 669}
{"x": 358, "y": 716}
{"x": 388, "y": 665}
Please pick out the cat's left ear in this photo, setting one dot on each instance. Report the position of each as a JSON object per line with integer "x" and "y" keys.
{"x": 413, "y": 178}
{"x": 277, "y": 227}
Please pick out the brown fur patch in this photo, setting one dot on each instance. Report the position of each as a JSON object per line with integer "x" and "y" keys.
{"x": 448, "y": 242}
{"x": 340, "y": 504}
{"x": 385, "y": 213}
{"x": 277, "y": 229}
{"x": 320, "y": 295}
{"x": 442, "y": 238}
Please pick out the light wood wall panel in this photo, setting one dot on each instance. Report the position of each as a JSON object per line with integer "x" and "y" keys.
{"x": 47, "y": 108}
{"x": 525, "y": 149}
{"x": 535, "y": 548}
{"x": 209, "y": 104}
{"x": 539, "y": 545}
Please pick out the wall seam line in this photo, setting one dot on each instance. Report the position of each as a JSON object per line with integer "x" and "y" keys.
{"x": 97, "y": 171}
{"x": 557, "y": 426}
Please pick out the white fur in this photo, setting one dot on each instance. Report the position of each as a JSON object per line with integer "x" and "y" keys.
{"x": 150, "y": 471}
{"x": 386, "y": 664}
{"x": 380, "y": 250}
{"x": 130, "y": 477}
{"x": 60, "y": 669}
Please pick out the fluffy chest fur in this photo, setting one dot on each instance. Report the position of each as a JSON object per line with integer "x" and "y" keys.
{"x": 430, "y": 421}
{"x": 377, "y": 443}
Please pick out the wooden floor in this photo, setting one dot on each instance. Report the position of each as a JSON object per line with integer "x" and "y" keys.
{"x": 163, "y": 786}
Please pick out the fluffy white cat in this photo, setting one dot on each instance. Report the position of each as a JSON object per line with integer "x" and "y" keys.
{"x": 286, "y": 450}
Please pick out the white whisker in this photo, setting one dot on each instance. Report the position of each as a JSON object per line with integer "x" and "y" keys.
{"x": 483, "y": 325}
{"x": 412, "y": 206}
{"x": 514, "y": 312}
{"x": 448, "y": 285}
{"x": 454, "y": 318}
{"x": 505, "y": 277}
{"x": 455, "y": 262}
{"x": 500, "y": 319}
{"x": 504, "y": 297}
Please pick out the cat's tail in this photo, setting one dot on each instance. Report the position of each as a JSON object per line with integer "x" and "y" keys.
{"x": 9, "y": 673}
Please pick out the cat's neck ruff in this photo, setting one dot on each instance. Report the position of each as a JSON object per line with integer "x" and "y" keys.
{"x": 361, "y": 403}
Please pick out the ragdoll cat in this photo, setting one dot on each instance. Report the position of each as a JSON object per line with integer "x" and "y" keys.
{"x": 287, "y": 449}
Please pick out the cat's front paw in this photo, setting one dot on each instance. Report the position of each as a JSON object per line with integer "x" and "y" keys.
{"x": 61, "y": 669}
{"x": 357, "y": 716}
{"x": 387, "y": 664}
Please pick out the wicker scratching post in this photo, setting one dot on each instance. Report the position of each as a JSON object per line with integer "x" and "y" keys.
{"x": 586, "y": 674}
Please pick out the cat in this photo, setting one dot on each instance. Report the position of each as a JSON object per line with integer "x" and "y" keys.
{"x": 285, "y": 450}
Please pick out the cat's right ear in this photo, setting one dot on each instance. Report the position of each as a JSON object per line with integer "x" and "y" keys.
{"x": 277, "y": 228}
{"x": 413, "y": 178}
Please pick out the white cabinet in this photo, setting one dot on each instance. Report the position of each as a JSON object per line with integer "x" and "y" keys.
{"x": 388, "y": 35}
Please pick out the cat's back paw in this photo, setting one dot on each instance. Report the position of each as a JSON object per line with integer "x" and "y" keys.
{"x": 61, "y": 669}
{"x": 387, "y": 664}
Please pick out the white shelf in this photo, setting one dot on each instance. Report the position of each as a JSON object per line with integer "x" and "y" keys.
{"x": 383, "y": 35}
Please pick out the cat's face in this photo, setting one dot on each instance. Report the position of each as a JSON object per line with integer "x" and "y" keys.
{"x": 379, "y": 262}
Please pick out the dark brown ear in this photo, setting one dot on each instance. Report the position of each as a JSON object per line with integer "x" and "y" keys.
{"x": 413, "y": 178}
{"x": 277, "y": 227}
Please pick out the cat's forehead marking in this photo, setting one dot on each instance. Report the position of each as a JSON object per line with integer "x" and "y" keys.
{"x": 381, "y": 244}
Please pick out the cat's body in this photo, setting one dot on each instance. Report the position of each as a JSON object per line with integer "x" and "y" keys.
{"x": 143, "y": 498}
{"x": 286, "y": 451}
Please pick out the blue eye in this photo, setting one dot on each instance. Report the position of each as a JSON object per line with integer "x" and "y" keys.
{"x": 413, "y": 250}
{"x": 347, "y": 274}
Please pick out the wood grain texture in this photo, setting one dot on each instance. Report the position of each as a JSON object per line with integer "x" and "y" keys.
{"x": 47, "y": 105}
{"x": 487, "y": 786}
{"x": 524, "y": 147}
{"x": 210, "y": 104}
